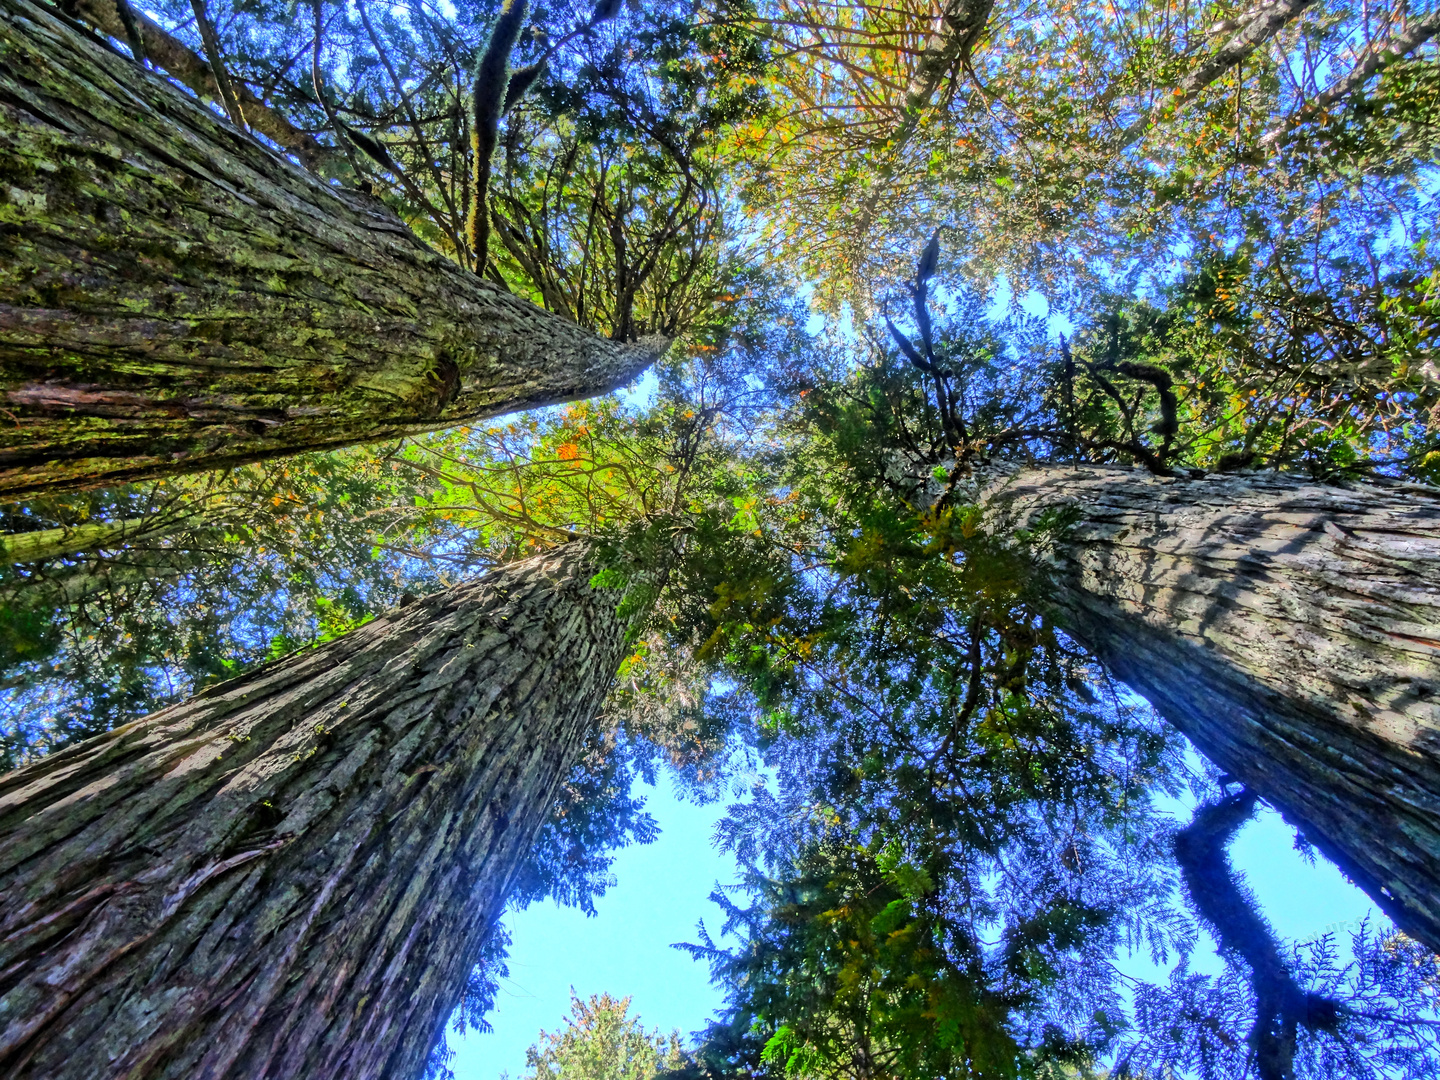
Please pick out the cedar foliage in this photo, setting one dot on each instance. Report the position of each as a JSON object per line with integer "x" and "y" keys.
{"x": 967, "y": 827}
{"x": 601, "y": 1041}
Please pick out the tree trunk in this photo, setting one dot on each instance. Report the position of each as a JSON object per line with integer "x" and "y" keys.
{"x": 174, "y": 296}
{"x": 53, "y": 588}
{"x": 42, "y": 544}
{"x": 1290, "y": 629}
{"x": 290, "y": 874}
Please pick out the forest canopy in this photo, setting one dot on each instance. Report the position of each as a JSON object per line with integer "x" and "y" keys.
{"x": 894, "y": 260}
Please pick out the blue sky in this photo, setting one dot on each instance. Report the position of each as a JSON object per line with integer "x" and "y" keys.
{"x": 663, "y": 889}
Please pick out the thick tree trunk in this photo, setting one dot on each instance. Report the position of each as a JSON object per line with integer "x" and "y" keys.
{"x": 1290, "y": 629}
{"x": 290, "y": 874}
{"x": 174, "y": 296}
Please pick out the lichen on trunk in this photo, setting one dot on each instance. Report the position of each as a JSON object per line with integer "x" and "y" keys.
{"x": 174, "y": 296}
{"x": 290, "y": 874}
{"x": 1290, "y": 629}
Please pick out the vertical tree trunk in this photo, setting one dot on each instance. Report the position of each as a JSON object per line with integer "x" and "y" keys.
{"x": 174, "y": 296}
{"x": 1291, "y": 630}
{"x": 290, "y": 874}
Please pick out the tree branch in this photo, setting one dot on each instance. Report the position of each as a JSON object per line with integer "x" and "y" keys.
{"x": 1240, "y": 930}
{"x": 178, "y": 61}
{"x": 1376, "y": 58}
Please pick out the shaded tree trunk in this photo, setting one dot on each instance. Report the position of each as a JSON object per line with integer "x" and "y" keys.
{"x": 56, "y": 587}
{"x": 42, "y": 544}
{"x": 1290, "y": 629}
{"x": 290, "y": 874}
{"x": 174, "y": 296}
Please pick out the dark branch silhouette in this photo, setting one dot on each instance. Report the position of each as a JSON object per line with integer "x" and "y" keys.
{"x": 1281, "y": 1006}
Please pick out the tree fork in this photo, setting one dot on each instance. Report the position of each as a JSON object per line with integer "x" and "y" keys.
{"x": 290, "y": 874}
{"x": 1290, "y": 629}
{"x": 176, "y": 297}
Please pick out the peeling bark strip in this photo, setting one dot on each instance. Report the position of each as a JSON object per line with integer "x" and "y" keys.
{"x": 1291, "y": 630}
{"x": 290, "y": 874}
{"x": 174, "y": 296}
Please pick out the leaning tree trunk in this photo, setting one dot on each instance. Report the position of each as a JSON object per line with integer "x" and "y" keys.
{"x": 174, "y": 296}
{"x": 1290, "y": 629}
{"x": 290, "y": 874}
{"x": 43, "y": 544}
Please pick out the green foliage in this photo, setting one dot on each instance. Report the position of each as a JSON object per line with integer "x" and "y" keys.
{"x": 242, "y": 566}
{"x": 1266, "y": 369}
{"x": 601, "y": 1041}
{"x": 610, "y": 202}
{"x": 1388, "y": 129}
{"x": 1074, "y": 149}
{"x": 964, "y": 834}
{"x": 331, "y": 621}
{"x": 856, "y": 964}
{"x": 947, "y": 774}
{"x": 1238, "y": 364}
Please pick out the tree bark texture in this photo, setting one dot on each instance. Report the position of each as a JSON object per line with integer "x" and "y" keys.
{"x": 290, "y": 874}
{"x": 88, "y": 536}
{"x": 174, "y": 296}
{"x": 1290, "y": 629}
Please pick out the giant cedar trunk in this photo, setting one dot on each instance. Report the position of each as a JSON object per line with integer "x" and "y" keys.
{"x": 290, "y": 874}
{"x": 1291, "y": 630}
{"x": 175, "y": 296}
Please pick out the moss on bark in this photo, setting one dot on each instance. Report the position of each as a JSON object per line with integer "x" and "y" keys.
{"x": 174, "y": 296}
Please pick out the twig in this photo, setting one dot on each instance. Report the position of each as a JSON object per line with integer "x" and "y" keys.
{"x": 217, "y": 62}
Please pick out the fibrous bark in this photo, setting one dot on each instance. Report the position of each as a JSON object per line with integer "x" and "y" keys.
{"x": 1290, "y": 629}
{"x": 174, "y": 296}
{"x": 290, "y": 874}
